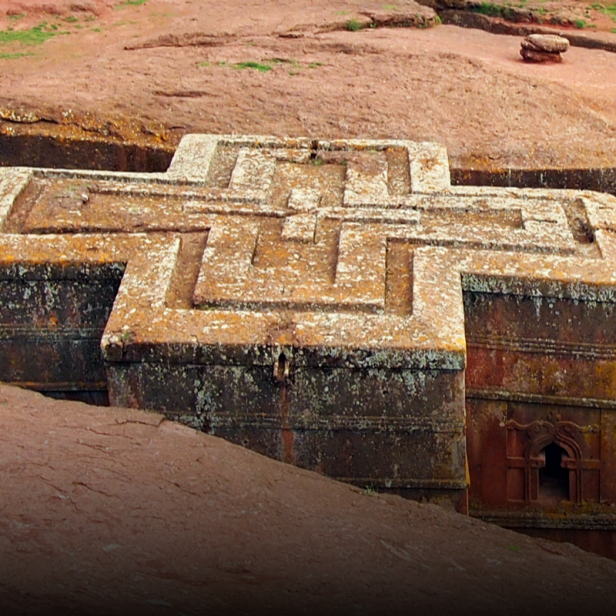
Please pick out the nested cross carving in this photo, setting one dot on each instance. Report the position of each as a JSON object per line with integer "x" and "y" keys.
{"x": 360, "y": 247}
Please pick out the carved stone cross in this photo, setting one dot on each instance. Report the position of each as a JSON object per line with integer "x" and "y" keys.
{"x": 307, "y": 298}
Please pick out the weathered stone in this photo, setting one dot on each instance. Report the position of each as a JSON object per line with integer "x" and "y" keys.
{"x": 531, "y": 46}
{"x": 341, "y": 306}
{"x": 543, "y": 48}
{"x": 551, "y": 43}
{"x": 529, "y": 55}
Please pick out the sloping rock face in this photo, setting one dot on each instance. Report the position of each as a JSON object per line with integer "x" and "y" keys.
{"x": 113, "y": 511}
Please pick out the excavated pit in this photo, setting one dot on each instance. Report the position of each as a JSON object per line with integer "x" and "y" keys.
{"x": 600, "y": 180}
{"x": 62, "y": 140}
{"x": 36, "y": 150}
{"x": 53, "y": 321}
{"x": 57, "y": 146}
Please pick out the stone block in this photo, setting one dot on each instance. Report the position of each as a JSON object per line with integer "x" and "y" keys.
{"x": 337, "y": 305}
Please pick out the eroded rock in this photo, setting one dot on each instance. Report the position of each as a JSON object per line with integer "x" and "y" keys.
{"x": 551, "y": 43}
{"x": 543, "y": 48}
{"x": 530, "y": 55}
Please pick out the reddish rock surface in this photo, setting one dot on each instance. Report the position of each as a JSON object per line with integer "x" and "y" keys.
{"x": 178, "y": 62}
{"x": 109, "y": 511}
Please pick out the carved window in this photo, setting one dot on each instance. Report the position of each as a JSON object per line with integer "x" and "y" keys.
{"x": 545, "y": 463}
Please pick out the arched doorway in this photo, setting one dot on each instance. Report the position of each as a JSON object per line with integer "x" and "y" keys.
{"x": 553, "y": 476}
{"x": 555, "y": 455}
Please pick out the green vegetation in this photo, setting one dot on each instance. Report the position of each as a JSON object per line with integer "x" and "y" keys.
{"x": 265, "y": 65}
{"x": 296, "y": 64}
{"x": 609, "y": 10}
{"x": 71, "y": 19}
{"x": 513, "y": 548}
{"x": 262, "y": 68}
{"x": 580, "y": 23}
{"x": 353, "y": 25}
{"x": 487, "y": 8}
{"x": 34, "y": 36}
{"x": 16, "y": 17}
{"x": 13, "y": 56}
{"x": 613, "y": 30}
{"x": 495, "y": 10}
{"x": 128, "y": 3}
{"x": 122, "y": 22}
{"x": 389, "y": 7}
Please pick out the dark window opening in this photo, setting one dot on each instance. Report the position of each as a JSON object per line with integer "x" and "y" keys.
{"x": 281, "y": 371}
{"x": 553, "y": 478}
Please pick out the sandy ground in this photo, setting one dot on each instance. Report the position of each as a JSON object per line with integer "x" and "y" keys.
{"x": 177, "y": 62}
{"x": 112, "y": 511}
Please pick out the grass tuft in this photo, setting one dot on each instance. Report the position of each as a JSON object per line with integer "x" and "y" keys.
{"x": 609, "y": 10}
{"x": 353, "y": 25}
{"x": 13, "y": 56}
{"x": 489, "y": 9}
{"x": 34, "y": 36}
{"x": 126, "y": 3}
{"x": 262, "y": 68}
